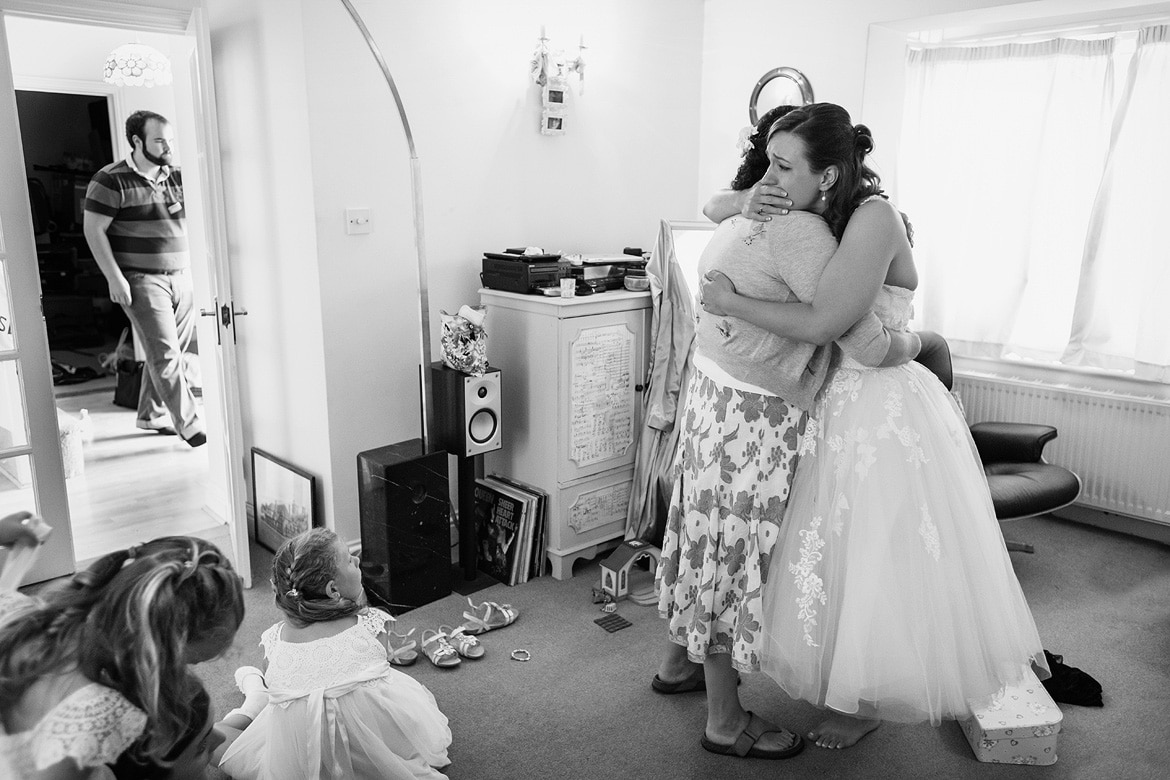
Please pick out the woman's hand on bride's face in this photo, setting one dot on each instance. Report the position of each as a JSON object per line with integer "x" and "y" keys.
{"x": 716, "y": 292}
{"x": 762, "y": 200}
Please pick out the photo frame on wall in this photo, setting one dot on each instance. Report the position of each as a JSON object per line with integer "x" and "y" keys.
{"x": 553, "y": 95}
{"x": 552, "y": 123}
{"x": 283, "y": 498}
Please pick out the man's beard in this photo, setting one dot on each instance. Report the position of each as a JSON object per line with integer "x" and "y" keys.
{"x": 163, "y": 159}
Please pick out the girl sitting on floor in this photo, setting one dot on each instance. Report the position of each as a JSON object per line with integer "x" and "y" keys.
{"x": 336, "y": 708}
{"x": 93, "y": 674}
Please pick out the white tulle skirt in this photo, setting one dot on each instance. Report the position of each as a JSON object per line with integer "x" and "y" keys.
{"x": 891, "y": 594}
{"x": 388, "y": 728}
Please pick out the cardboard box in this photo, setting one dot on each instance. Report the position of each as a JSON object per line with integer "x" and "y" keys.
{"x": 1019, "y": 725}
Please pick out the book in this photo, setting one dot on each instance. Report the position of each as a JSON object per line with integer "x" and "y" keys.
{"x": 538, "y": 561}
{"x": 519, "y": 561}
{"x": 499, "y": 516}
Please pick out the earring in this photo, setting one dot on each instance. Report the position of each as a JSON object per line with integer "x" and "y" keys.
{"x": 824, "y": 195}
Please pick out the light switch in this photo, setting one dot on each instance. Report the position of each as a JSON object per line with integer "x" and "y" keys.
{"x": 357, "y": 221}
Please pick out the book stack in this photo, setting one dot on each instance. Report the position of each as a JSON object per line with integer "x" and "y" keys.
{"x": 511, "y": 529}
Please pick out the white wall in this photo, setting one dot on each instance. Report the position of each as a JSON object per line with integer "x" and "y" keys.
{"x": 330, "y": 350}
{"x": 827, "y": 41}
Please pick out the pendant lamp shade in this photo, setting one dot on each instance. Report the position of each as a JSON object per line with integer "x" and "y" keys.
{"x": 137, "y": 65}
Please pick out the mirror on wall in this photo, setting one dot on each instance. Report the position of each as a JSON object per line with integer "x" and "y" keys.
{"x": 779, "y": 87}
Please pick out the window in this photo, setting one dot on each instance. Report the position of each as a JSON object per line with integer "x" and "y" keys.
{"x": 1034, "y": 173}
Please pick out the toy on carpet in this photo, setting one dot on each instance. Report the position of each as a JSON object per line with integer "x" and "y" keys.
{"x": 616, "y": 572}
{"x": 613, "y": 623}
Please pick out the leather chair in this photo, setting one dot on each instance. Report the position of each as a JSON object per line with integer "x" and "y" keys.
{"x": 1022, "y": 484}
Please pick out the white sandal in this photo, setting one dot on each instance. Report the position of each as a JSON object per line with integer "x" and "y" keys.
{"x": 440, "y": 652}
{"x": 465, "y": 644}
{"x": 493, "y": 616}
{"x": 401, "y": 649}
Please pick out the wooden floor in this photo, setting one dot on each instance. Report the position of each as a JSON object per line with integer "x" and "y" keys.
{"x": 135, "y": 485}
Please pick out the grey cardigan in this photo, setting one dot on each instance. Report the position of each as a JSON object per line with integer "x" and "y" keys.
{"x": 781, "y": 260}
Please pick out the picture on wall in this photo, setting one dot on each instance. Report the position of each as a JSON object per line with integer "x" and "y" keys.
{"x": 284, "y": 498}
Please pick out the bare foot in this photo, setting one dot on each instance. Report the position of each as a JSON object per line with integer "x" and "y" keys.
{"x": 841, "y": 731}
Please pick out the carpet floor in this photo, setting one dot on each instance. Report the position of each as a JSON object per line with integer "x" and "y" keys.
{"x": 582, "y": 708}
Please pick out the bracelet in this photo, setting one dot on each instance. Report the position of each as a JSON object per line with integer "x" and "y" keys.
{"x": 521, "y": 655}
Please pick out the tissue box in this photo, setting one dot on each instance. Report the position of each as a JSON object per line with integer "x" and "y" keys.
{"x": 1019, "y": 725}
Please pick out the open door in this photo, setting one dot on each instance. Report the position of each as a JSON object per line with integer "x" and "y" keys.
{"x": 31, "y": 449}
{"x": 32, "y": 475}
{"x": 222, "y": 391}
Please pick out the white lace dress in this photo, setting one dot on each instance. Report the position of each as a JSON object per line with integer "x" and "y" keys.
{"x": 338, "y": 710}
{"x": 93, "y": 725}
{"x": 891, "y": 594}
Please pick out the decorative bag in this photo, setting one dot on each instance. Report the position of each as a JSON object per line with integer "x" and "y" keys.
{"x": 464, "y": 341}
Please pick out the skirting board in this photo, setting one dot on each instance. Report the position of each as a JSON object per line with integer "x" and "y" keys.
{"x": 1112, "y": 521}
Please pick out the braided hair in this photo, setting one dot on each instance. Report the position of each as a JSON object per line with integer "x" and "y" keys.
{"x": 301, "y": 572}
{"x": 126, "y": 622}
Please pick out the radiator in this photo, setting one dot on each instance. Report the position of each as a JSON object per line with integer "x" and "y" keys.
{"x": 1118, "y": 445}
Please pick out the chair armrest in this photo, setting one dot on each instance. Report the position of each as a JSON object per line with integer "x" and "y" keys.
{"x": 1000, "y": 442}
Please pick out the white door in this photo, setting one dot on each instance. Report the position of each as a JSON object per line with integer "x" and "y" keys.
{"x": 227, "y": 499}
{"x": 32, "y": 476}
{"x": 224, "y": 401}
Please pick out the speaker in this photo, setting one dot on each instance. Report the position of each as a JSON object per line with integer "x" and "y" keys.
{"x": 405, "y": 507}
{"x": 466, "y": 412}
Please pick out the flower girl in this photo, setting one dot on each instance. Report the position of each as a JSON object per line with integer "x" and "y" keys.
{"x": 336, "y": 708}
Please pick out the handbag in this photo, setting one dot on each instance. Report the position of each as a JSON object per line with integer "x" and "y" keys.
{"x": 127, "y": 374}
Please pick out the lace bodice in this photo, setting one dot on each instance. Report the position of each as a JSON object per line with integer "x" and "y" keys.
{"x": 93, "y": 726}
{"x": 325, "y": 662}
{"x": 894, "y": 306}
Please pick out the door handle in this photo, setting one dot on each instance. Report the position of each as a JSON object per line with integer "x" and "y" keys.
{"x": 225, "y": 314}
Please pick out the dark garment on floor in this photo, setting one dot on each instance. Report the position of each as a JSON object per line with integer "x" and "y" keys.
{"x": 1069, "y": 685}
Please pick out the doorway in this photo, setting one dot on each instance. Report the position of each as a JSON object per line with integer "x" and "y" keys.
{"x": 124, "y": 485}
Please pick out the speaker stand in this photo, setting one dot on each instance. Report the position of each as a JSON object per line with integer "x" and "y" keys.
{"x": 471, "y": 579}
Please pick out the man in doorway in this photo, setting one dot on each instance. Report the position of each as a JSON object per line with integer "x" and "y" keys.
{"x": 136, "y": 227}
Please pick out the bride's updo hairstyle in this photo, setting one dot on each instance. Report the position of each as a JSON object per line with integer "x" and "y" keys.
{"x": 831, "y": 138}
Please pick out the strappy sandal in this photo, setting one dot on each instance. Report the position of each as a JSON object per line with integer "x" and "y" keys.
{"x": 488, "y": 616}
{"x": 464, "y": 644}
{"x": 440, "y": 652}
{"x": 402, "y": 650}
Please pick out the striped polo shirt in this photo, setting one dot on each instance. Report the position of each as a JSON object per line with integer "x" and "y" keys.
{"x": 149, "y": 229}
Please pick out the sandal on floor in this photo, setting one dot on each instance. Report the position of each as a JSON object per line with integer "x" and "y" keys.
{"x": 695, "y": 681}
{"x": 439, "y": 650}
{"x": 488, "y": 616}
{"x": 465, "y": 644}
{"x": 401, "y": 649}
{"x": 745, "y": 745}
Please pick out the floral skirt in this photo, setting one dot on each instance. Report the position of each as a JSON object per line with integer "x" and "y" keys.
{"x": 736, "y": 454}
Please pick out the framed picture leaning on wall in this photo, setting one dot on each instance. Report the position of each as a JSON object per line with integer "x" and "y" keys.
{"x": 283, "y": 499}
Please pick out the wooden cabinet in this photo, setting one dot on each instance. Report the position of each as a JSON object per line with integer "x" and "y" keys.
{"x": 573, "y": 372}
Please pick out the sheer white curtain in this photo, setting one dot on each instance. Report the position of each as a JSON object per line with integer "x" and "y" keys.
{"x": 1002, "y": 152}
{"x": 1122, "y": 317}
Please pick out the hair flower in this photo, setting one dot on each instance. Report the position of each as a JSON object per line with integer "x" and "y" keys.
{"x": 744, "y": 142}
{"x": 292, "y": 593}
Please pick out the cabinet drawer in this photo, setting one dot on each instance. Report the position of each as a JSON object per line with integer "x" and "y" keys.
{"x": 590, "y": 511}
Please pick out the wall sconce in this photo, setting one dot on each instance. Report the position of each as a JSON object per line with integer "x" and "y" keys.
{"x": 137, "y": 65}
{"x": 550, "y": 69}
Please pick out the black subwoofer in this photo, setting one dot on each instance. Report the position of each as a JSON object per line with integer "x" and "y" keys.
{"x": 403, "y": 498}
